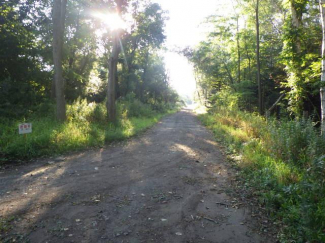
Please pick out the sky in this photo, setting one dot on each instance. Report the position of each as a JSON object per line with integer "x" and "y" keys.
{"x": 183, "y": 29}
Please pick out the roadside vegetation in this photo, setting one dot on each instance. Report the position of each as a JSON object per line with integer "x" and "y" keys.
{"x": 259, "y": 75}
{"x": 282, "y": 162}
{"x": 86, "y": 126}
{"x": 81, "y": 80}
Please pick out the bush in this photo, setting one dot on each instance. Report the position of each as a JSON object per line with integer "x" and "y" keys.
{"x": 296, "y": 142}
{"x": 135, "y": 108}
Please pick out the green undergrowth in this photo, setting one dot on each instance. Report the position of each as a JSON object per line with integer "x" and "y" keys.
{"x": 283, "y": 162}
{"x": 86, "y": 126}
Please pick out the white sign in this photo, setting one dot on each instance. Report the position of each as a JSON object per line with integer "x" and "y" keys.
{"x": 25, "y": 128}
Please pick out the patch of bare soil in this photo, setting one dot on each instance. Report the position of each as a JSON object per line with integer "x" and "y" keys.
{"x": 169, "y": 185}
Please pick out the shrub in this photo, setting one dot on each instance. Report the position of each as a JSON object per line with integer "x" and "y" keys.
{"x": 296, "y": 142}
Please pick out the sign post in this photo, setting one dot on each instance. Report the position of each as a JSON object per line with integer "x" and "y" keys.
{"x": 25, "y": 128}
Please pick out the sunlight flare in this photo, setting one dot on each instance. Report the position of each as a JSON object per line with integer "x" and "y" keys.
{"x": 112, "y": 20}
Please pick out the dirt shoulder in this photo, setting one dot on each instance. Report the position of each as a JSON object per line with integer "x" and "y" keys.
{"x": 169, "y": 185}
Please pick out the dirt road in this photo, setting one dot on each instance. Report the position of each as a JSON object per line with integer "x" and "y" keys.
{"x": 168, "y": 185}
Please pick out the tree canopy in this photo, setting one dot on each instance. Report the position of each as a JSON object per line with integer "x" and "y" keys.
{"x": 27, "y": 67}
{"x": 290, "y": 43}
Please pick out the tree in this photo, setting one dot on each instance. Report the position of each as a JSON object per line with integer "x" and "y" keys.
{"x": 23, "y": 80}
{"x": 111, "y": 88}
{"x": 322, "y": 90}
{"x": 59, "y": 12}
{"x": 257, "y": 22}
{"x": 293, "y": 54}
{"x": 77, "y": 50}
{"x": 146, "y": 36}
{"x": 112, "y": 66}
{"x": 238, "y": 43}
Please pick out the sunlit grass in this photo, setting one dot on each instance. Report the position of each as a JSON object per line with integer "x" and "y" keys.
{"x": 86, "y": 127}
{"x": 283, "y": 162}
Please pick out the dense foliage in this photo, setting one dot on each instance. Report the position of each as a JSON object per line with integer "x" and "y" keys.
{"x": 86, "y": 126}
{"x": 290, "y": 43}
{"x": 282, "y": 163}
{"x": 26, "y": 63}
{"x": 281, "y": 157}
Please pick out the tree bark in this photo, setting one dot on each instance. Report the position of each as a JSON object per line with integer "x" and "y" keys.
{"x": 248, "y": 57}
{"x": 296, "y": 23}
{"x": 322, "y": 90}
{"x": 112, "y": 66}
{"x": 111, "y": 89}
{"x": 144, "y": 78}
{"x": 59, "y": 12}
{"x": 260, "y": 102}
{"x": 238, "y": 51}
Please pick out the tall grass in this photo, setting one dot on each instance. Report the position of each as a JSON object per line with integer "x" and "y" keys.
{"x": 86, "y": 126}
{"x": 284, "y": 162}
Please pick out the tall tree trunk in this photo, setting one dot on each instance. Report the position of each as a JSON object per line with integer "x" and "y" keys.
{"x": 296, "y": 23}
{"x": 238, "y": 50}
{"x": 260, "y": 102}
{"x": 59, "y": 12}
{"x": 144, "y": 78}
{"x": 322, "y": 90}
{"x": 248, "y": 57}
{"x": 53, "y": 88}
{"x": 112, "y": 66}
{"x": 111, "y": 89}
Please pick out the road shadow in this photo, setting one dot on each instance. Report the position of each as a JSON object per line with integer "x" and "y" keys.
{"x": 159, "y": 187}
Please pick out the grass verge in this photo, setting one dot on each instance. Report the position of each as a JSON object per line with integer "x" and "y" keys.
{"x": 86, "y": 127}
{"x": 283, "y": 163}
